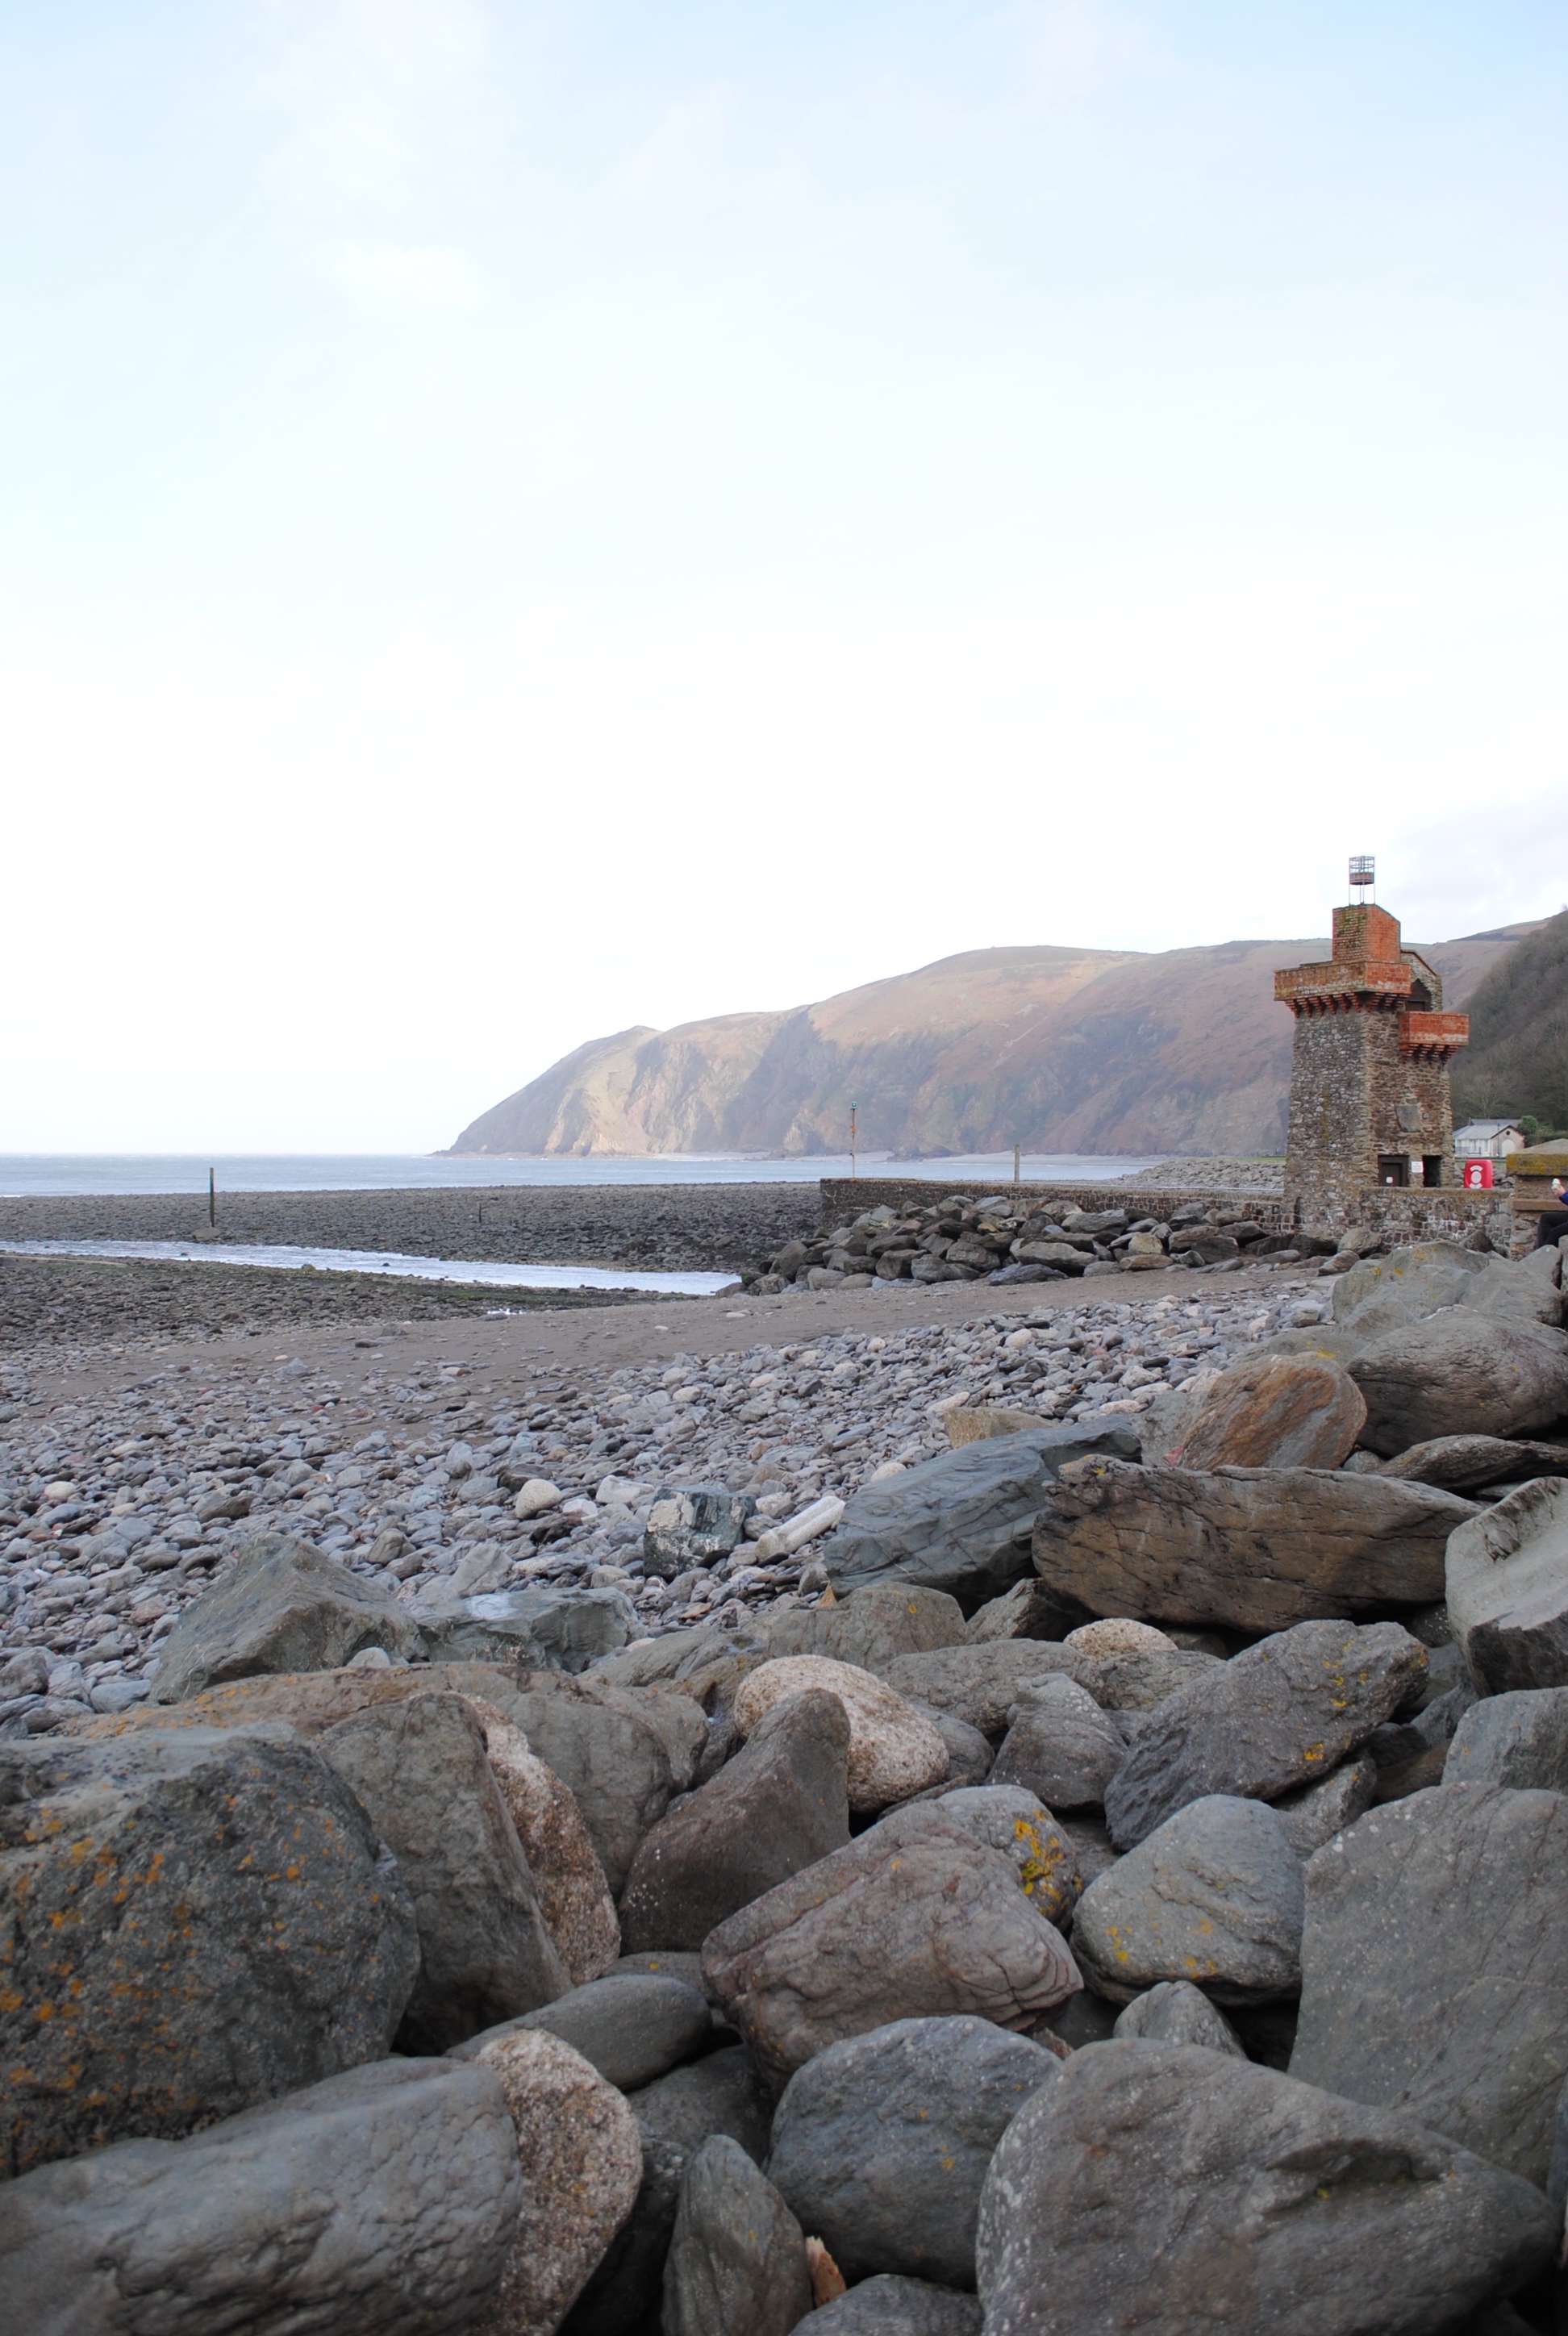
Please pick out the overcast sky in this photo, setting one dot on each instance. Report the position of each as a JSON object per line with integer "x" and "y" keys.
{"x": 517, "y": 521}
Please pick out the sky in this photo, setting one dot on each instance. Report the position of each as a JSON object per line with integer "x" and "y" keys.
{"x": 519, "y": 521}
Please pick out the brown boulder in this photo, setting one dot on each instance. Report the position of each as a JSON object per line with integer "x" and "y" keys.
{"x": 1251, "y": 1549}
{"x": 915, "y": 1919}
{"x": 1276, "y": 1411}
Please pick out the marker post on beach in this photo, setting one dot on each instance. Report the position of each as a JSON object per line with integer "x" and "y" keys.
{"x": 853, "y": 1170}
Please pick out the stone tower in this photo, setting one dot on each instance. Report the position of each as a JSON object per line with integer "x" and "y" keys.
{"x": 1369, "y": 1103}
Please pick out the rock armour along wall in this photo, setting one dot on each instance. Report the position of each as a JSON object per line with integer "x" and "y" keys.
{"x": 1401, "y": 1215}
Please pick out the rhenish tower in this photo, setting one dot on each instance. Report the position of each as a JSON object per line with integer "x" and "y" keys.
{"x": 1370, "y": 1102}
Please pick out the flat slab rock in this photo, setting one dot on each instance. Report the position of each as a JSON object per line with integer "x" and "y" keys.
{"x": 1507, "y": 1589}
{"x": 1253, "y": 1549}
{"x": 384, "y": 2202}
{"x": 1435, "y": 1967}
{"x": 915, "y": 1919}
{"x": 1279, "y": 1715}
{"x": 1165, "y": 2186}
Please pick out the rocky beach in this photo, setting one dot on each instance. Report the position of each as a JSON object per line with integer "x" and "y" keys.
{"x": 789, "y": 1787}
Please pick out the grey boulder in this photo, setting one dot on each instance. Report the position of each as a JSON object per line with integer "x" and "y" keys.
{"x": 1386, "y": 1293}
{"x": 1435, "y": 1967}
{"x": 1165, "y": 2186}
{"x": 1060, "y": 1746}
{"x": 737, "y": 2260}
{"x": 960, "y": 1523}
{"x": 420, "y": 1770}
{"x": 1030, "y": 1610}
{"x": 549, "y": 1626}
{"x": 1174, "y": 2011}
{"x": 979, "y": 1684}
{"x": 193, "y": 1921}
{"x": 779, "y": 1804}
{"x": 1461, "y": 1373}
{"x": 1137, "y": 1678}
{"x": 384, "y": 2199}
{"x": 1013, "y": 1822}
{"x": 1463, "y": 1464}
{"x": 279, "y": 1606}
{"x": 632, "y": 2027}
{"x": 1519, "y": 1739}
{"x": 675, "y": 2115}
{"x": 1215, "y": 1896}
{"x": 882, "y": 1620}
{"x": 881, "y": 2144}
{"x": 1507, "y": 1589}
{"x": 888, "y": 2306}
{"x": 915, "y": 1919}
{"x": 1314, "y": 1814}
{"x": 622, "y": 1753}
{"x": 1254, "y": 1549}
{"x": 1279, "y": 1715}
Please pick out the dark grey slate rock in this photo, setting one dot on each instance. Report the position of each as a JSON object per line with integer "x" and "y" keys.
{"x": 1275, "y": 1717}
{"x": 213, "y": 1920}
{"x": 612, "y": 1749}
{"x": 384, "y": 2199}
{"x": 675, "y": 2115}
{"x": 961, "y": 1522}
{"x": 1507, "y": 1589}
{"x": 738, "y": 2258}
{"x": 779, "y": 1804}
{"x": 887, "y": 2306}
{"x": 1164, "y": 2186}
{"x": 1215, "y": 1896}
{"x": 979, "y": 1684}
{"x": 969, "y": 1753}
{"x": 692, "y": 1525}
{"x": 1060, "y": 1746}
{"x": 1464, "y": 1464}
{"x": 280, "y": 1606}
{"x": 883, "y": 1620}
{"x": 881, "y": 2144}
{"x": 1314, "y": 1814}
{"x": 1461, "y": 1373}
{"x": 914, "y": 1920}
{"x": 1137, "y": 1678}
{"x": 553, "y": 1626}
{"x": 1030, "y": 1610}
{"x": 633, "y": 2028}
{"x": 419, "y": 1769}
{"x": 1409, "y": 1754}
{"x": 1012, "y": 1820}
{"x": 1519, "y": 1739}
{"x": 1177, "y": 2012}
{"x": 1386, "y": 1293}
{"x": 1435, "y": 1967}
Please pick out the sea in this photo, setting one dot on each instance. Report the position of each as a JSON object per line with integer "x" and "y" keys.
{"x": 57, "y": 1174}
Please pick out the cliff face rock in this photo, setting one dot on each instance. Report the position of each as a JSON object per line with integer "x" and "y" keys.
{"x": 1058, "y": 1049}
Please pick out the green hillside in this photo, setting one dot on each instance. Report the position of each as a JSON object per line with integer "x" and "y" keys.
{"x": 1516, "y": 1064}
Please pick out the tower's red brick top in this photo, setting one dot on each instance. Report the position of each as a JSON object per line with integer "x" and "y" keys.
{"x": 1371, "y": 972}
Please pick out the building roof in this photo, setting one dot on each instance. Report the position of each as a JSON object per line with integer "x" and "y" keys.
{"x": 1487, "y": 1127}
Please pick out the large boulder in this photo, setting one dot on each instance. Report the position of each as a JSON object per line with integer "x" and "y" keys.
{"x": 1464, "y": 1464}
{"x": 1519, "y": 1739}
{"x": 1507, "y": 1589}
{"x": 279, "y": 1606}
{"x": 1176, "y": 2012}
{"x": 1275, "y": 1411}
{"x": 1165, "y": 2186}
{"x": 545, "y": 1625}
{"x": 419, "y": 1769}
{"x": 621, "y": 1752}
{"x": 1277, "y": 1715}
{"x": 1136, "y": 1678}
{"x": 1030, "y": 1610}
{"x": 1461, "y": 1373}
{"x": 1215, "y": 1896}
{"x": 881, "y": 2144}
{"x": 675, "y": 2116}
{"x": 1253, "y": 1549}
{"x": 384, "y": 2202}
{"x": 1435, "y": 1967}
{"x": 914, "y": 1918}
{"x": 893, "y": 1751}
{"x": 980, "y": 1684}
{"x": 1008, "y": 1819}
{"x": 1386, "y": 1293}
{"x": 581, "y": 2156}
{"x": 574, "y": 1893}
{"x": 779, "y": 1804}
{"x": 633, "y": 2026}
{"x": 960, "y": 1523}
{"x": 889, "y": 2306}
{"x": 870, "y": 1628}
{"x": 192, "y": 1923}
{"x": 1060, "y": 1745}
{"x": 1313, "y": 1814}
{"x": 737, "y": 2259}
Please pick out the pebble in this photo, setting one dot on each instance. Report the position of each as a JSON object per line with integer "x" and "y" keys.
{"x": 117, "y": 1511}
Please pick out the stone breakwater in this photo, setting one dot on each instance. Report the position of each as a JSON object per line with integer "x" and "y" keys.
{"x": 657, "y": 1228}
{"x": 118, "y": 1513}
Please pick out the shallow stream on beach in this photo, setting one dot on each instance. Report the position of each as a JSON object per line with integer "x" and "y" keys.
{"x": 500, "y": 1276}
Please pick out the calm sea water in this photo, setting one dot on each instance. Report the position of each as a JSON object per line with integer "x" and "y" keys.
{"x": 44, "y": 1173}
{"x": 282, "y": 1257}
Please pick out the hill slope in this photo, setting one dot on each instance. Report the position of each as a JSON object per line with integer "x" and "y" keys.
{"x": 1058, "y": 1049}
{"x": 1517, "y": 1058}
